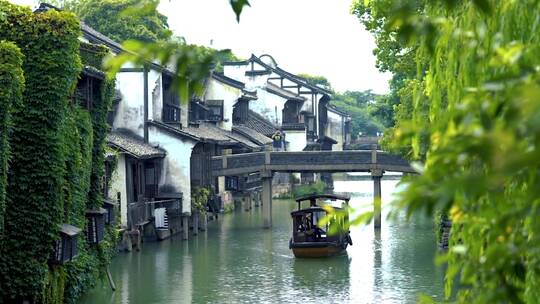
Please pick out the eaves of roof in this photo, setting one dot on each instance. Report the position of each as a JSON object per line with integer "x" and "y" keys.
{"x": 271, "y": 88}
{"x": 134, "y": 146}
{"x": 337, "y": 111}
{"x": 294, "y": 78}
{"x": 228, "y": 81}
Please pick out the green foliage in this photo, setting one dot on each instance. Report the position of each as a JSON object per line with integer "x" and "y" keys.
{"x": 49, "y": 42}
{"x": 11, "y": 86}
{"x": 369, "y": 112}
{"x": 470, "y": 112}
{"x": 100, "y": 129}
{"x": 361, "y": 106}
{"x": 54, "y": 292}
{"x": 307, "y": 189}
{"x": 224, "y": 56}
{"x": 228, "y": 208}
{"x": 123, "y": 19}
{"x": 238, "y": 7}
{"x": 199, "y": 198}
{"x": 57, "y": 162}
{"x": 316, "y": 80}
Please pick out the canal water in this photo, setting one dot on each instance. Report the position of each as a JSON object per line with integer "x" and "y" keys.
{"x": 237, "y": 261}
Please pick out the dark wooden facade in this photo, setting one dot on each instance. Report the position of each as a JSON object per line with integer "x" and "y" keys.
{"x": 201, "y": 159}
{"x": 171, "y": 101}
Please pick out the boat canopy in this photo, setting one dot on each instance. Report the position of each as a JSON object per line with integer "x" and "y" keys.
{"x": 308, "y": 210}
{"x": 323, "y": 196}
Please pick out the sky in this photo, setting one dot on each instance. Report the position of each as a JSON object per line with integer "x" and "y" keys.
{"x": 318, "y": 37}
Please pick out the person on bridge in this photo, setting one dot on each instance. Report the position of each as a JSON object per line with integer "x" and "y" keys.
{"x": 278, "y": 139}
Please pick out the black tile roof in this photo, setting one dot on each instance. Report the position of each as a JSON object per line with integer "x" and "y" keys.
{"x": 312, "y": 147}
{"x": 253, "y": 135}
{"x": 229, "y": 81}
{"x": 134, "y": 146}
{"x": 290, "y": 76}
{"x": 327, "y": 139}
{"x": 293, "y": 126}
{"x": 70, "y": 230}
{"x": 93, "y": 72}
{"x": 260, "y": 124}
{"x": 207, "y": 132}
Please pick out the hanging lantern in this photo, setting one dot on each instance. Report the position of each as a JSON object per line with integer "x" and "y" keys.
{"x": 95, "y": 229}
{"x": 65, "y": 248}
{"x": 110, "y": 206}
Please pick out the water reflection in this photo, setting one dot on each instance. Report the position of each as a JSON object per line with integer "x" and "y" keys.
{"x": 237, "y": 261}
{"x": 315, "y": 280}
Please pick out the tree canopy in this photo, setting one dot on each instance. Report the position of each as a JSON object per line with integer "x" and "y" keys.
{"x": 123, "y": 19}
{"x": 466, "y": 82}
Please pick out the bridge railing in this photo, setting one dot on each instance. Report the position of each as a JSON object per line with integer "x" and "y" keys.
{"x": 308, "y": 161}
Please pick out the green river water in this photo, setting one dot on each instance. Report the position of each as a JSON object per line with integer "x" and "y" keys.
{"x": 237, "y": 261}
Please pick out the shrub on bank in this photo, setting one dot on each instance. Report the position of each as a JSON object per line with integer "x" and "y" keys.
{"x": 314, "y": 188}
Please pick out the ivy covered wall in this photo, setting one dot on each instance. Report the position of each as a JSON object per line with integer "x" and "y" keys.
{"x": 57, "y": 159}
{"x": 11, "y": 85}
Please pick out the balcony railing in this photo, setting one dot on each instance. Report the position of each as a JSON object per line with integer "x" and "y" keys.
{"x": 171, "y": 113}
{"x": 141, "y": 213}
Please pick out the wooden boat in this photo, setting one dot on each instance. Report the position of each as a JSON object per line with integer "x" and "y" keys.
{"x": 311, "y": 241}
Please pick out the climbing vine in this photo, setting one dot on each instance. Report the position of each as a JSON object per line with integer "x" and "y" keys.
{"x": 57, "y": 159}
{"x": 11, "y": 86}
{"x": 34, "y": 204}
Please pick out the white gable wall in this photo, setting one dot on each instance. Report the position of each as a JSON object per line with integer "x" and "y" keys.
{"x": 118, "y": 185}
{"x": 130, "y": 112}
{"x": 296, "y": 140}
{"x": 236, "y": 72}
{"x": 176, "y": 165}
{"x": 268, "y": 105}
{"x": 334, "y": 129}
{"x": 220, "y": 91}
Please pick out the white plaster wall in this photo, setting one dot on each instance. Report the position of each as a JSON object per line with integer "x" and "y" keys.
{"x": 118, "y": 184}
{"x": 296, "y": 140}
{"x": 236, "y": 72}
{"x": 130, "y": 113}
{"x": 176, "y": 165}
{"x": 229, "y": 95}
{"x": 156, "y": 99}
{"x": 334, "y": 129}
{"x": 268, "y": 105}
{"x": 184, "y": 113}
{"x": 155, "y": 103}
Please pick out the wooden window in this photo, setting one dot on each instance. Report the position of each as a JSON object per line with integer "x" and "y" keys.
{"x": 150, "y": 179}
{"x": 231, "y": 183}
{"x": 215, "y": 110}
{"x": 134, "y": 181}
{"x": 240, "y": 112}
{"x": 171, "y": 101}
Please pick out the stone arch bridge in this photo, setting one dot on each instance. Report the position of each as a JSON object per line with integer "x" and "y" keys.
{"x": 268, "y": 162}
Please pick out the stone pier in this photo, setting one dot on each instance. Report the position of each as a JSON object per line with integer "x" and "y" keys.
{"x": 185, "y": 227}
{"x": 376, "y": 176}
{"x": 267, "y": 198}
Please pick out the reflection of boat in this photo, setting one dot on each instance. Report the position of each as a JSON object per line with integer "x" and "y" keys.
{"x": 309, "y": 240}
